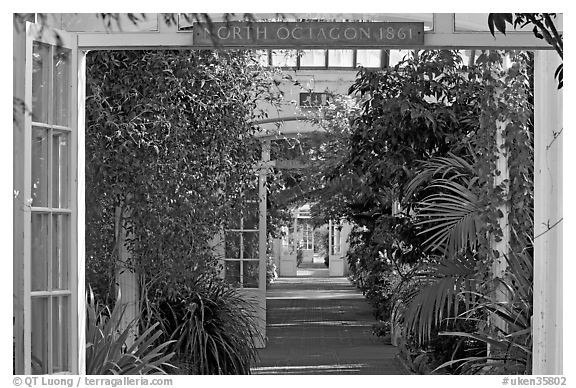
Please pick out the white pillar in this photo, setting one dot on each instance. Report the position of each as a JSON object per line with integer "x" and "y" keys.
{"x": 502, "y": 246}
{"x": 126, "y": 279}
{"x": 500, "y": 264}
{"x": 262, "y": 245}
{"x": 218, "y": 251}
{"x": 547, "y": 320}
{"x": 262, "y": 235}
{"x": 296, "y": 240}
{"x": 330, "y": 238}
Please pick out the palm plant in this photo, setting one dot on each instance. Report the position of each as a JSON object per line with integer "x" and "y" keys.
{"x": 511, "y": 343}
{"x": 451, "y": 287}
{"x": 438, "y": 296}
{"x": 449, "y": 215}
{"x": 107, "y": 349}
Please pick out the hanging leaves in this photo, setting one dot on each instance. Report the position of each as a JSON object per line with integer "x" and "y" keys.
{"x": 169, "y": 136}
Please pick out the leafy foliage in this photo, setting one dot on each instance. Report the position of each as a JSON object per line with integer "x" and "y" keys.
{"x": 506, "y": 98}
{"x": 448, "y": 189}
{"x": 543, "y": 28}
{"x": 437, "y": 297}
{"x": 169, "y": 140}
{"x": 450, "y": 211}
{"x": 213, "y": 328}
{"x": 170, "y": 144}
{"x": 107, "y": 350}
{"x": 510, "y": 343}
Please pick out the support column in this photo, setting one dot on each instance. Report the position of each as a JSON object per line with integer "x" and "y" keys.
{"x": 501, "y": 179}
{"x": 262, "y": 244}
{"x": 295, "y": 234}
{"x": 218, "y": 251}
{"x": 547, "y": 326}
{"x": 503, "y": 246}
{"x": 263, "y": 237}
{"x": 330, "y": 238}
{"x": 126, "y": 279}
{"x": 500, "y": 247}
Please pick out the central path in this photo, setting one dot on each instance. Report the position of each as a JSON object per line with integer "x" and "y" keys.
{"x": 321, "y": 325}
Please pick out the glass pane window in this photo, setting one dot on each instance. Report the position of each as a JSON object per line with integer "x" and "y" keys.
{"x": 39, "y": 360}
{"x": 307, "y": 237}
{"x": 61, "y": 86}
{"x": 341, "y": 58}
{"x": 251, "y": 272}
{"x": 369, "y": 58}
{"x": 60, "y": 169}
{"x": 232, "y": 245}
{"x": 234, "y": 219}
{"x": 397, "y": 56}
{"x": 284, "y": 58}
{"x": 60, "y": 251}
{"x": 232, "y": 272}
{"x": 40, "y": 81}
{"x": 336, "y": 247}
{"x": 250, "y": 215}
{"x": 262, "y": 57}
{"x": 60, "y": 333}
{"x": 313, "y": 58}
{"x": 251, "y": 242}
{"x": 39, "y": 252}
{"x": 39, "y": 176}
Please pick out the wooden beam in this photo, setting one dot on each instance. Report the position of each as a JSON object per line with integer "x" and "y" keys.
{"x": 547, "y": 327}
{"x": 432, "y": 40}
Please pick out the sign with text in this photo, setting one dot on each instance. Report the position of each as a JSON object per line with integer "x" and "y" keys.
{"x": 315, "y": 99}
{"x": 309, "y": 34}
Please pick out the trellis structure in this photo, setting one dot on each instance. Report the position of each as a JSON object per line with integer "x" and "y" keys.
{"x": 58, "y": 137}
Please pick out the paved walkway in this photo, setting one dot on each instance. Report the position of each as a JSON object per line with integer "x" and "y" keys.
{"x": 321, "y": 325}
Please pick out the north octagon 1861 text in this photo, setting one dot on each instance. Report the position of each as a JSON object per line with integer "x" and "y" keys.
{"x": 308, "y": 34}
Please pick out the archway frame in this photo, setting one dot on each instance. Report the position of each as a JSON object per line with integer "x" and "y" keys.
{"x": 548, "y": 298}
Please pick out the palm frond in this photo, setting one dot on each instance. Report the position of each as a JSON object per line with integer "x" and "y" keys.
{"x": 437, "y": 301}
{"x": 107, "y": 351}
{"x": 510, "y": 343}
{"x": 449, "y": 215}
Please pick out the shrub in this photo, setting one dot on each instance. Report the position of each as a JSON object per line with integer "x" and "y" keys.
{"x": 107, "y": 350}
{"x": 213, "y": 327}
{"x": 271, "y": 270}
{"x": 299, "y": 257}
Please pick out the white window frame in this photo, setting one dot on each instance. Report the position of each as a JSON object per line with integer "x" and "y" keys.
{"x": 241, "y": 231}
{"x": 53, "y": 38}
{"x": 335, "y": 238}
{"x": 307, "y": 238}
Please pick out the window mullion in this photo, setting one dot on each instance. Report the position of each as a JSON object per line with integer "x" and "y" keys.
{"x": 241, "y": 252}
{"x": 49, "y": 187}
{"x": 298, "y": 54}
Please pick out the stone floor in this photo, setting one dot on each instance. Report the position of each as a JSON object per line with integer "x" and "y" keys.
{"x": 322, "y": 325}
